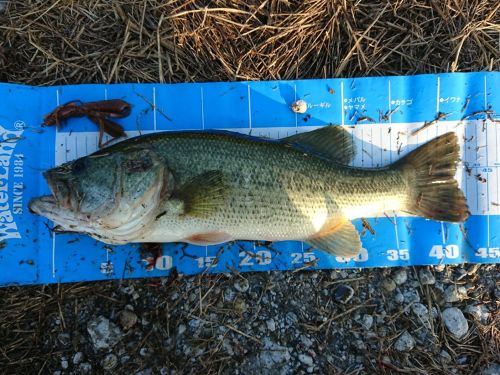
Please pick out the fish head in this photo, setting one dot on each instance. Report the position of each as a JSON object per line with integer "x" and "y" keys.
{"x": 110, "y": 196}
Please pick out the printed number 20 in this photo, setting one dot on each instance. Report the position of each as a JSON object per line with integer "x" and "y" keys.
{"x": 262, "y": 258}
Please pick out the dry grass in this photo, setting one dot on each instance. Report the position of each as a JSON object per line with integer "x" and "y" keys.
{"x": 67, "y": 42}
{"x": 130, "y": 41}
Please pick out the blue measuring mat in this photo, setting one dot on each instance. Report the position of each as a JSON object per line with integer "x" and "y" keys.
{"x": 382, "y": 114}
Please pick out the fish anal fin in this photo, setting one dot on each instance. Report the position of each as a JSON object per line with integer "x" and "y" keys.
{"x": 331, "y": 142}
{"x": 339, "y": 238}
{"x": 209, "y": 238}
{"x": 203, "y": 194}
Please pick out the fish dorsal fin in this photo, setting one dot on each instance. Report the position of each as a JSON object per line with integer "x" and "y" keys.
{"x": 339, "y": 240}
{"x": 203, "y": 194}
{"x": 331, "y": 142}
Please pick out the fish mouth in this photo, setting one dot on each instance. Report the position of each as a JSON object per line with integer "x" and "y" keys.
{"x": 42, "y": 205}
{"x": 49, "y": 205}
{"x": 59, "y": 188}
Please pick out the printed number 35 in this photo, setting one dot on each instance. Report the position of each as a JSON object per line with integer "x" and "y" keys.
{"x": 401, "y": 254}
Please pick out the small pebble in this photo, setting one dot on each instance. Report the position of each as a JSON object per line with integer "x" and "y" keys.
{"x": 389, "y": 284}
{"x": 411, "y": 296}
{"x": 194, "y": 324}
{"x": 291, "y": 318}
{"x": 455, "y": 322}
{"x": 445, "y": 356}
{"x": 398, "y": 297}
{"x": 462, "y": 360}
{"x": 367, "y": 321}
{"x": 422, "y": 313}
{"x": 64, "y": 339}
{"x": 426, "y": 277}
{"x": 85, "y": 368}
{"x": 405, "y": 342}
{"x": 306, "y": 359}
{"x": 479, "y": 312}
{"x": 306, "y": 341}
{"x": 299, "y": 106}
{"x": 271, "y": 325}
{"x": 109, "y": 362}
{"x": 493, "y": 369}
{"x": 343, "y": 293}
{"x": 455, "y": 293}
{"x": 127, "y": 319}
{"x": 241, "y": 285}
{"x": 103, "y": 333}
{"x": 77, "y": 358}
{"x": 3, "y": 5}
{"x": 64, "y": 363}
{"x": 181, "y": 329}
{"x": 400, "y": 276}
{"x": 229, "y": 294}
{"x": 440, "y": 267}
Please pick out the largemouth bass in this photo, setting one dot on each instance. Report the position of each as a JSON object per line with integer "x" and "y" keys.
{"x": 211, "y": 187}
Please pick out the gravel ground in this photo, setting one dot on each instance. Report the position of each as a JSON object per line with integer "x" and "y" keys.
{"x": 439, "y": 320}
{"x": 411, "y": 320}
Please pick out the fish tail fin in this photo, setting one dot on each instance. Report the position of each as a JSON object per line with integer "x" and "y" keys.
{"x": 430, "y": 176}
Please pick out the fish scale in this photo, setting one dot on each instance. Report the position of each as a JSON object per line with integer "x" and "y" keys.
{"x": 275, "y": 190}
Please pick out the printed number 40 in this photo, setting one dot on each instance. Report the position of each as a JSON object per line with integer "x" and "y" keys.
{"x": 448, "y": 251}
{"x": 401, "y": 254}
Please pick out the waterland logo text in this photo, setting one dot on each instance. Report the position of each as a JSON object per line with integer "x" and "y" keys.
{"x": 8, "y": 141}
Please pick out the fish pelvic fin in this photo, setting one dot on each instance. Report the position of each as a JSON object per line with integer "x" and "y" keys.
{"x": 331, "y": 142}
{"x": 203, "y": 194}
{"x": 209, "y": 238}
{"x": 430, "y": 177}
{"x": 338, "y": 239}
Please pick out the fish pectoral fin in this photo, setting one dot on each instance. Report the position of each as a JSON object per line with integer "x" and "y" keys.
{"x": 332, "y": 142}
{"x": 205, "y": 239}
{"x": 203, "y": 194}
{"x": 339, "y": 240}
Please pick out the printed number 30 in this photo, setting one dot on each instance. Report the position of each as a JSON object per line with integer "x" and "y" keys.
{"x": 361, "y": 257}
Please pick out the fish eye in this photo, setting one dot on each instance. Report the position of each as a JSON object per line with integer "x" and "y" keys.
{"x": 79, "y": 166}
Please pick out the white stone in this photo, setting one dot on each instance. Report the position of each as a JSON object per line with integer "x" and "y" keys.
{"x": 455, "y": 322}
{"x": 405, "y": 342}
{"x": 103, "y": 333}
{"x": 426, "y": 277}
{"x": 271, "y": 325}
{"x": 299, "y": 106}
{"x": 307, "y": 360}
{"x": 400, "y": 276}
